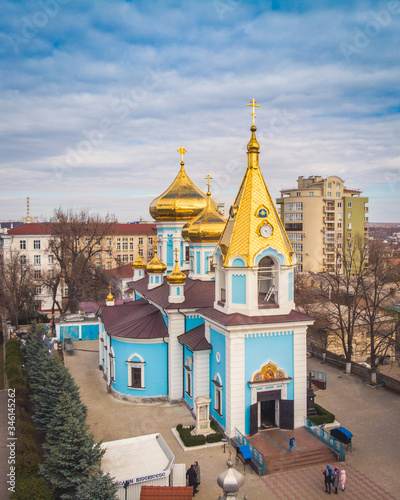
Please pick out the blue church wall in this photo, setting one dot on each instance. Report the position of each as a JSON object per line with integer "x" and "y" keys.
{"x": 198, "y": 263}
{"x": 192, "y": 322}
{"x": 165, "y": 318}
{"x": 217, "y": 366}
{"x": 238, "y": 289}
{"x": 155, "y": 368}
{"x": 291, "y": 286}
{"x": 272, "y": 252}
{"x": 170, "y": 250}
{"x": 277, "y": 348}
{"x": 187, "y": 390}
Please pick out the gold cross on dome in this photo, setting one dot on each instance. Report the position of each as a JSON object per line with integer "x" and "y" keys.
{"x": 182, "y": 151}
{"x": 208, "y": 177}
{"x": 176, "y": 254}
{"x": 109, "y": 288}
{"x": 254, "y": 105}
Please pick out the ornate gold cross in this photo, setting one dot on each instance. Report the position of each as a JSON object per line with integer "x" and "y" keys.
{"x": 208, "y": 177}
{"x": 176, "y": 254}
{"x": 182, "y": 151}
{"x": 109, "y": 288}
{"x": 254, "y": 105}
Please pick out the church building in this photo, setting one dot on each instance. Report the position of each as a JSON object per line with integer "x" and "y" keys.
{"x": 213, "y": 314}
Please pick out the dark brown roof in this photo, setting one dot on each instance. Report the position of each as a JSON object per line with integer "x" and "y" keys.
{"x": 89, "y": 307}
{"x": 197, "y": 293}
{"x": 134, "y": 320}
{"x": 166, "y": 492}
{"x": 195, "y": 339}
{"x": 125, "y": 271}
{"x": 241, "y": 319}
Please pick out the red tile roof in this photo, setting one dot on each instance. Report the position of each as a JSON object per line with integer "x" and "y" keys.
{"x": 125, "y": 271}
{"x": 166, "y": 493}
{"x": 135, "y": 320}
{"x": 195, "y": 339}
{"x": 117, "y": 228}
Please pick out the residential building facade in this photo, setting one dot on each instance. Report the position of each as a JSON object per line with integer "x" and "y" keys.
{"x": 321, "y": 216}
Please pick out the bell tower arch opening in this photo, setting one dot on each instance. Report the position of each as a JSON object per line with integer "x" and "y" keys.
{"x": 267, "y": 281}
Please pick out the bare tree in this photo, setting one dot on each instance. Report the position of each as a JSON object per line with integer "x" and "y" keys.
{"x": 17, "y": 291}
{"x": 77, "y": 238}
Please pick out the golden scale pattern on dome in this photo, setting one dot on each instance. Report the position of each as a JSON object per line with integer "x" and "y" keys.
{"x": 183, "y": 200}
{"x": 156, "y": 265}
{"x": 177, "y": 276}
{"x": 253, "y": 209}
{"x": 207, "y": 226}
{"x": 139, "y": 262}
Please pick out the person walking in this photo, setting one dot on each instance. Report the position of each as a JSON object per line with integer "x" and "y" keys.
{"x": 197, "y": 469}
{"x": 191, "y": 477}
{"x": 291, "y": 443}
{"x": 335, "y": 480}
{"x": 342, "y": 478}
{"x": 328, "y": 478}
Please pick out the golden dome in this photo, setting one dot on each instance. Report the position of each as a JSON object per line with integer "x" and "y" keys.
{"x": 207, "y": 226}
{"x": 181, "y": 201}
{"x": 138, "y": 263}
{"x": 177, "y": 276}
{"x": 253, "y": 144}
{"x": 156, "y": 265}
{"x": 109, "y": 297}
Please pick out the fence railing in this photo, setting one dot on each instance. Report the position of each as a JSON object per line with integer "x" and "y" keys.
{"x": 320, "y": 376}
{"x": 258, "y": 457}
{"x": 325, "y": 436}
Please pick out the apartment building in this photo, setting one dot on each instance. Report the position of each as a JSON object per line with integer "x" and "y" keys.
{"x": 320, "y": 216}
{"x": 31, "y": 242}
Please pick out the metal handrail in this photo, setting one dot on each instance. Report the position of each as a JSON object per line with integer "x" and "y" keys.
{"x": 318, "y": 376}
{"x": 258, "y": 457}
{"x": 331, "y": 441}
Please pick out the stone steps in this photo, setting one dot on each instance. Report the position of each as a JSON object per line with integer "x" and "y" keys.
{"x": 298, "y": 460}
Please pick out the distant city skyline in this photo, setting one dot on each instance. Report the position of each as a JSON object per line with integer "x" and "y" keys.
{"x": 97, "y": 98}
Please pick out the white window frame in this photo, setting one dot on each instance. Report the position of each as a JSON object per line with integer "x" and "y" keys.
{"x": 22, "y": 244}
{"x": 136, "y": 364}
{"x": 218, "y": 394}
{"x": 188, "y": 377}
{"x": 349, "y": 204}
{"x": 36, "y": 244}
{"x": 36, "y": 260}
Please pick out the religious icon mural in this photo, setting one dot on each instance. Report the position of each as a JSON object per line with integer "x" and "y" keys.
{"x": 269, "y": 371}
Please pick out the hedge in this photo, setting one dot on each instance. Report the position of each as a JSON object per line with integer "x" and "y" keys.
{"x": 323, "y": 417}
{"x": 197, "y": 440}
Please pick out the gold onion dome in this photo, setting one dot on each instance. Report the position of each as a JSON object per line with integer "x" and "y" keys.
{"x": 183, "y": 200}
{"x": 207, "y": 226}
{"x": 139, "y": 262}
{"x": 253, "y": 144}
{"x": 156, "y": 265}
{"x": 110, "y": 296}
{"x": 177, "y": 276}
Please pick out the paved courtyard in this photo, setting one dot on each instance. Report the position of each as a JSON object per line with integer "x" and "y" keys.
{"x": 370, "y": 413}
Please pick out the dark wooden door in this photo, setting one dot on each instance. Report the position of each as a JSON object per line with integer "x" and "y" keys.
{"x": 253, "y": 419}
{"x": 286, "y": 414}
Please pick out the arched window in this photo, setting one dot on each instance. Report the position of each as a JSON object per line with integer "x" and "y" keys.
{"x": 136, "y": 371}
{"x": 222, "y": 284}
{"x": 112, "y": 365}
{"x": 267, "y": 283}
{"x": 217, "y": 394}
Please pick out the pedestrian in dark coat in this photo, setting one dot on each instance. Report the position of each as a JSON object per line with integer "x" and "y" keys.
{"x": 191, "y": 477}
{"x": 335, "y": 480}
{"x": 197, "y": 469}
{"x": 328, "y": 478}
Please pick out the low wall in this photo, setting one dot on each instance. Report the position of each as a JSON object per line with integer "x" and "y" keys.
{"x": 356, "y": 369}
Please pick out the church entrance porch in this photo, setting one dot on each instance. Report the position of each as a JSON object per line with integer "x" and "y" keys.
{"x": 267, "y": 414}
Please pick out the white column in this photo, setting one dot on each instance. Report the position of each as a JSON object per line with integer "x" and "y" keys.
{"x": 201, "y": 374}
{"x": 300, "y": 375}
{"x": 235, "y": 380}
{"x": 176, "y": 326}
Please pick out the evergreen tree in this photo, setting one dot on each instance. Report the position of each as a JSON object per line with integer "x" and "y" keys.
{"x": 50, "y": 383}
{"x": 99, "y": 486}
{"x": 36, "y": 354}
{"x": 71, "y": 452}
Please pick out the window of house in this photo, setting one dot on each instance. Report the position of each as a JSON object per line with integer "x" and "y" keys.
{"x": 118, "y": 246}
{"x": 109, "y": 265}
{"x": 51, "y": 259}
{"x": 131, "y": 257}
{"x": 297, "y": 247}
{"x": 299, "y": 257}
{"x": 108, "y": 242}
{"x": 338, "y": 185}
{"x": 337, "y": 194}
{"x": 36, "y": 244}
{"x": 98, "y": 255}
{"x": 349, "y": 225}
{"x": 339, "y": 205}
{"x": 140, "y": 241}
{"x": 38, "y": 289}
{"x": 150, "y": 240}
{"x": 22, "y": 259}
{"x": 125, "y": 258}
{"x": 150, "y": 253}
{"x": 329, "y": 194}
{"x": 124, "y": 243}
{"x": 37, "y": 274}
{"x": 52, "y": 273}
{"x": 294, "y": 216}
{"x": 349, "y": 204}
{"x": 311, "y": 193}
{"x": 289, "y": 207}
{"x": 295, "y": 236}
{"x": 109, "y": 254}
{"x": 298, "y": 194}
{"x": 36, "y": 260}
{"x": 131, "y": 245}
{"x": 22, "y": 244}
{"x": 329, "y": 185}
{"x": 136, "y": 366}
{"x": 299, "y": 268}
{"x": 188, "y": 376}
{"x": 349, "y": 215}
{"x": 141, "y": 252}
{"x": 339, "y": 225}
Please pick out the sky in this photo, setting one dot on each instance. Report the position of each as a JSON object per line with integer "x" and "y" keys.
{"x": 97, "y": 97}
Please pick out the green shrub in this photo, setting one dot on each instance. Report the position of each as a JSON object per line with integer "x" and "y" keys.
{"x": 188, "y": 439}
{"x": 29, "y": 487}
{"x": 323, "y": 417}
{"x": 214, "y": 438}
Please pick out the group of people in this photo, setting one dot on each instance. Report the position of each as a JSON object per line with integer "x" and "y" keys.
{"x": 193, "y": 477}
{"x": 334, "y": 477}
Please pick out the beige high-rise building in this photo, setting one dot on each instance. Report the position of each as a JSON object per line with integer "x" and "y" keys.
{"x": 321, "y": 216}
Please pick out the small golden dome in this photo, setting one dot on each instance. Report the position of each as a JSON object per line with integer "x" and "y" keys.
{"x": 181, "y": 201}
{"x": 138, "y": 263}
{"x": 253, "y": 144}
{"x": 207, "y": 226}
{"x": 156, "y": 265}
{"x": 110, "y": 296}
{"x": 177, "y": 276}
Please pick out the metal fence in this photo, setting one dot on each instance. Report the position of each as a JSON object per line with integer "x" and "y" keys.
{"x": 258, "y": 457}
{"x": 331, "y": 441}
{"x": 320, "y": 376}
